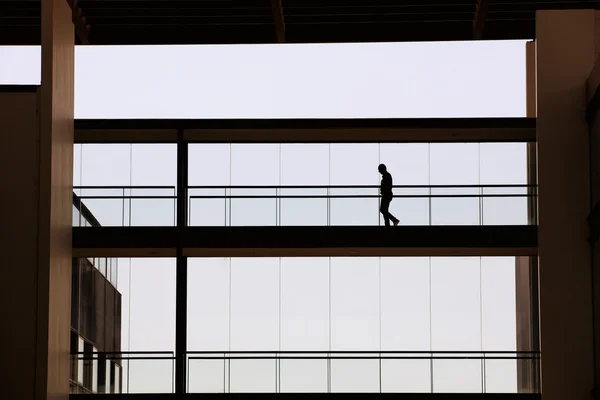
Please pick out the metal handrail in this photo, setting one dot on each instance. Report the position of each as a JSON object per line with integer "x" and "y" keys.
{"x": 124, "y": 187}
{"x": 364, "y": 186}
{"x": 345, "y": 196}
{"x": 124, "y": 355}
{"x": 360, "y": 352}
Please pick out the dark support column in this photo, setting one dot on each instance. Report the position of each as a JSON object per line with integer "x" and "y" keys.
{"x": 181, "y": 284}
{"x": 566, "y": 51}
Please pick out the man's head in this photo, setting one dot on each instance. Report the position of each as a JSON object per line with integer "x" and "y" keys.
{"x": 382, "y": 168}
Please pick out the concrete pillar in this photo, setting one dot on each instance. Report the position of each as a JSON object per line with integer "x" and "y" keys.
{"x": 36, "y": 160}
{"x": 55, "y": 198}
{"x": 566, "y": 49}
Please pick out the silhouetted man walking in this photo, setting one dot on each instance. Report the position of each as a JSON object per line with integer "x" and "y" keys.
{"x": 386, "y": 195}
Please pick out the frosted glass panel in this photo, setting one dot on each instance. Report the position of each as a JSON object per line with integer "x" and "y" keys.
{"x": 304, "y": 164}
{"x": 255, "y": 164}
{"x": 209, "y": 164}
{"x": 510, "y": 157}
{"x": 208, "y": 305}
{"x": 355, "y": 376}
{"x": 406, "y": 376}
{"x": 498, "y": 302}
{"x": 144, "y": 158}
{"x": 303, "y": 376}
{"x": 407, "y": 162}
{"x": 354, "y": 164}
{"x": 355, "y": 303}
{"x": 405, "y": 304}
{"x": 146, "y": 310}
{"x": 454, "y": 164}
{"x": 96, "y": 169}
{"x": 206, "y": 376}
{"x": 455, "y": 304}
{"x": 457, "y": 376}
{"x": 501, "y": 375}
{"x": 253, "y": 376}
{"x": 304, "y": 304}
{"x": 254, "y": 304}
{"x": 150, "y": 376}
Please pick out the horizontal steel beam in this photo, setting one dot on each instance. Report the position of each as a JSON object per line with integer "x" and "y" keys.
{"x": 309, "y": 130}
{"x": 332, "y": 241}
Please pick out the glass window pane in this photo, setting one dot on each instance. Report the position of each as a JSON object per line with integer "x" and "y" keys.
{"x": 501, "y": 375}
{"x": 209, "y": 164}
{"x": 254, "y": 211}
{"x": 154, "y": 164}
{"x": 355, "y": 304}
{"x": 407, "y": 162}
{"x": 81, "y": 362}
{"x": 456, "y": 210}
{"x": 405, "y": 305}
{"x": 150, "y": 376}
{"x": 255, "y": 164}
{"x": 304, "y": 164}
{"x": 208, "y": 306}
{"x": 77, "y": 164}
{"x": 147, "y": 307}
{"x": 253, "y": 376}
{"x": 254, "y": 304}
{"x": 498, "y": 303}
{"x": 503, "y": 163}
{"x": 354, "y": 211}
{"x": 105, "y": 164}
{"x": 355, "y": 376}
{"x": 406, "y": 376}
{"x": 455, "y": 304}
{"x": 95, "y": 371}
{"x": 151, "y": 295}
{"x": 303, "y": 211}
{"x": 454, "y": 164}
{"x": 304, "y": 304}
{"x": 457, "y": 376}
{"x": 354, "y": 164}
{"x": 206, "y": 376}
{"x": 303, "y": 376}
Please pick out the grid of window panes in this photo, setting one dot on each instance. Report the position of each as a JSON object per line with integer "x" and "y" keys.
{"x": 91, "y": 373}
{"x": 438, "y": 306}
{"x": 214, "y": 168}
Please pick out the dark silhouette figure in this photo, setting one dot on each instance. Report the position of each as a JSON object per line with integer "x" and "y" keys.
{"x": 386, "y": 195}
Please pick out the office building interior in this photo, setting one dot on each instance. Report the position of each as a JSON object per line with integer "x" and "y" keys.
{"x": 190, "y": 258}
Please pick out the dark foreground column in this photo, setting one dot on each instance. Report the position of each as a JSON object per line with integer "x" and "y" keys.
{"x": 566, "y": 53}
{"x": 36, "y": 167}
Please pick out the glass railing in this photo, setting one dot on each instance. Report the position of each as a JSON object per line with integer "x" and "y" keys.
{"x": 124, "y": 372}
{"x": 313, "y": 372}
{"x": 124, "y": 205}
{"x": 358, "y": 372}
{"x": 358, "y": 205}
{"x": 308, "y": 205}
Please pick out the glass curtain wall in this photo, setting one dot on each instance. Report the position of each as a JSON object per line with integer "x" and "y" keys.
{"x": 400, "y": 304}
{"x": 353, "y": 164}
{"x": 135, "y": 184}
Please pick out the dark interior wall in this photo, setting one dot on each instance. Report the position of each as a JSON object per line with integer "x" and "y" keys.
{"x": 19, "y": 243}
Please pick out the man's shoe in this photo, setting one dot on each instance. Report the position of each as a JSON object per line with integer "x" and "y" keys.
{"x": 396, "y": 223}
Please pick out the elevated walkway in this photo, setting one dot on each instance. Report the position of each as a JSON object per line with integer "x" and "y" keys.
{"x": 296, "y": 241}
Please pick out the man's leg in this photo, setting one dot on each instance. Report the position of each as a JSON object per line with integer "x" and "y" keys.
{"x": 394, "y": 219}
{"x": 385, "y": 206}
